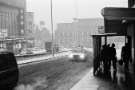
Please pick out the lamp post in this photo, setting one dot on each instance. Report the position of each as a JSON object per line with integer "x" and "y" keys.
{"x": 51, "y": 6}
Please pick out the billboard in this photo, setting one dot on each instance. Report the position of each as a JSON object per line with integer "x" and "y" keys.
{"x": 14, "y": 3}
{"x": 117, "y": 19}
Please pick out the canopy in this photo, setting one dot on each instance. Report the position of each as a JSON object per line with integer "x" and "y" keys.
{"x": 117, "y": 19}
{"x": 113, "y": 13}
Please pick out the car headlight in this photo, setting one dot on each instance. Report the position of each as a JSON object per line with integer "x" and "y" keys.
{"x": 82, "y": 56}
{"x": 70, "y": 56}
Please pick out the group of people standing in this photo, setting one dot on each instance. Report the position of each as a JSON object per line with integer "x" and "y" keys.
{"x": 108, "y": 57}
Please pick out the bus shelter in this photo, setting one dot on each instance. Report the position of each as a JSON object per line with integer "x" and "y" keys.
{"x": 98, "y": 41}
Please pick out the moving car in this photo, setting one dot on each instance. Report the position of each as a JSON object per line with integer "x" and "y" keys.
{"x": 8, "y": 71}
{"x": 78, "y": 55}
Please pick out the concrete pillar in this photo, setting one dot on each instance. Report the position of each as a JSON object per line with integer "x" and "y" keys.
{"x": 130, "y": 3}
{"x": 105, "y": 40}
{"x": 134, "y": 47}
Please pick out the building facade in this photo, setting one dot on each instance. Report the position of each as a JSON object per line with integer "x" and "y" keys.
{"x": 29, "y": 18}
{"x": 12, "y": 23}
{"x": 29, "y": 29}
{"x": 78, "y": 32}
{"x": 122, "y": 21}
{"x": 41, "y": 35}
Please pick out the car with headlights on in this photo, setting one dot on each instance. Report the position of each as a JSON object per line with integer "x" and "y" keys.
{"x": 78, "y": 55}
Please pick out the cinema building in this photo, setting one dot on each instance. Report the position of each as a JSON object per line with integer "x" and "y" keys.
{"x": 12, "y": 28}
{"x": 118, "y": 22}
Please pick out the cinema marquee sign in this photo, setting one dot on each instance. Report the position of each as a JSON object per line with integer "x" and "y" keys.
{"x": 116, "y": 19}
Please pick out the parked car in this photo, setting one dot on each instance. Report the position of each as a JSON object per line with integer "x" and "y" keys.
{"x": 8, "y": 71}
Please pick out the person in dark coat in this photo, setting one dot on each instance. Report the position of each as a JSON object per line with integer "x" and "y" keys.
{"x": 113, "y": 56}
{"x": 126, "y": 55}
{"x": 105, "y": 58}
{"x": 108, "y": 57}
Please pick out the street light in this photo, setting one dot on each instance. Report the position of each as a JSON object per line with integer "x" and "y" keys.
{"x": 51, "y": 6}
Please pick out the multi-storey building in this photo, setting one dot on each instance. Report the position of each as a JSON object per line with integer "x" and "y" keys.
{"x": 78, "y": 32}
{"x": 29, "y": 29}
{"x": 29, "y": 18}
{"x": 12, "y": 27}
{"x": 41, "y": 35}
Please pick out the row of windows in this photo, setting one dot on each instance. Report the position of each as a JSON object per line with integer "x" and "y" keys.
{"x": 8, "y": 23}
{"x": 21, "y": 18}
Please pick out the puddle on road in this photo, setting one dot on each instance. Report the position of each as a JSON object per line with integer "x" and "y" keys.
{"x": 39, "y": 83}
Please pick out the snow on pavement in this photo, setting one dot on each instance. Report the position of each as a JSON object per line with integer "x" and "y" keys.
{"x": 43, "y": 58}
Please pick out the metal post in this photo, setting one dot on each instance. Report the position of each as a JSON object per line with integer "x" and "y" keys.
{"x": 105, "y": 40}
{"x": 51, "y": 6}
{"x": 125, "y": 39}
{"x": 134, "y": 48}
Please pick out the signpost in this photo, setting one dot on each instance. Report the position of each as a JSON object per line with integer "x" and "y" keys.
{"x": 51, "y": 6}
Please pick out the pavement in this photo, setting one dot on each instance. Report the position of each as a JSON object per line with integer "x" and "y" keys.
{"x": 119, "y": 81}
{"x": 89, "y": 82}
